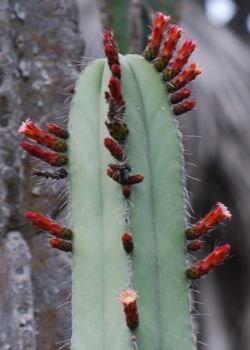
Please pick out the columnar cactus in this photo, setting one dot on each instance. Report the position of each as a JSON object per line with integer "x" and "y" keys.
{"x": 129, "y": 228}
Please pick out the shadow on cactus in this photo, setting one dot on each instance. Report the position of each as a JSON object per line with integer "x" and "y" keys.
{"x": 130, "y": 228}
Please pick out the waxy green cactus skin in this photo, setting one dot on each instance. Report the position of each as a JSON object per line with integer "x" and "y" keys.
{"x": 157, "y": 206}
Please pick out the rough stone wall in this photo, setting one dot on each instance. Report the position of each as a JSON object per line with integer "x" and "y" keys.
{"x": 40, "y": 52}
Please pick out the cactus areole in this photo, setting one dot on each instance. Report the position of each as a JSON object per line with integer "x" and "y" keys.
{"x": 130, "y": 287}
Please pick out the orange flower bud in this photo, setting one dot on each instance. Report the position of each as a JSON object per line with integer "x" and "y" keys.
{"x": 184, "y": 78}
{"x": 195, "y": 245}
{"x": 215, "y": 258}
{"x": 184, "y": 106}
{"x": 168, "y": 47}
{"x": 126, "y": 191}
{"x": 181, "y": 58}
{"x": 58, "y": 131}
{"x": 127, "y": 241}
{"x": 114, "y": 148}
{"x": 180, "y": 95}
{"x": 135, "y": 179}
{"x": 54, "y": 159}
{"x": 48, "y": 225}
{"x": 60, "y": 244}
{"x": 29, "y": 129}
{"x": 154, "y": 42}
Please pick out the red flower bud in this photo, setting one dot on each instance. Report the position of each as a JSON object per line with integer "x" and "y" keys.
{"x": 58, "y": 131}
{"x": 116, "y": 71}
{"x": 215, "y": 258}
{"x": 181, "y": 58}
{"x": 110, "y": 172}
{"x": 128, "y": 298}
{"x": 29, "y": 129}
{"x": 184, "y": 106}
{"x": 180, "y": 95}
{"x": 168, "y": 47}
{"x": 114, "y": 148}
{"x": 115, "y": 91}
{"x": 110, "y": 48}
{"x": 209, "y": 222}
{"x": 184, "y": 77}
{"x": 114, "y": 174}
{"x": 127, "y": 241}
{"x": 60, "y": 244}
{"x": 195, "y": 245}
{"x": 48, "y": 225}
{"x": 54, "y": 159}
{"x": 126, "y": 191}
{"x": 135, "y": 179}
{"x": 154, "y": 42}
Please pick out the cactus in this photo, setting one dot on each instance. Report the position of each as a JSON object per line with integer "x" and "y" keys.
{"x": 129, "y": 228}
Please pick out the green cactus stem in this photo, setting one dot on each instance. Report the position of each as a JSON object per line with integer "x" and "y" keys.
{"x": 157, "y": 213}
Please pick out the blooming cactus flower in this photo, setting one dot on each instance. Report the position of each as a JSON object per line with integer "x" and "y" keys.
{"x": 29, "y": 129}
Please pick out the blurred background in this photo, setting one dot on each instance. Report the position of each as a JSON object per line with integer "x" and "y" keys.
{"x": 44, "y": 46}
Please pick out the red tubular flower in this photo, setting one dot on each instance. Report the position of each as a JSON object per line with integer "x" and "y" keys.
{"x": 128, "y": 298}
{"x": 60, "y": 244}
{"x": 209, "y": 222}
{"x": 195, "y": 245}
{"x": 110, "y": 48}
{"x": 29, "y": 129}
{"x": 168, "y": 47}
{"x": 215, "y": 258}
{"x": 48, "y": 225}
{"x": 184, "y": 77}
{"x": 135, "y": 179}
{"x": 180, "y": 95}
{"x": 58, "y": 131}
{"x": 154, "y": 42}
{"x": 184, "y": 106}
{"x": 114, "y": 148}
{"x": 127, "y": 241}
{"x": 54, "y": 159}
{"x": 181, "y": 58}
{"x": 115, "y": 91}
